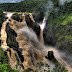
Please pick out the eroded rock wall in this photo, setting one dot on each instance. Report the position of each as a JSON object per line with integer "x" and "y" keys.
{"x": 20, "y": 47}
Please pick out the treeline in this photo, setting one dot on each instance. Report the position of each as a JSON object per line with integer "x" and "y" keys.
{"x": 25, "y": 6}
{"x": 36, "y": 6}
{"x": 6, "y": 6}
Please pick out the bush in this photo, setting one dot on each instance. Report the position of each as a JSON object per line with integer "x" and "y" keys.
{"x": 4, "y": 66}
{"x": 3, "y": 57}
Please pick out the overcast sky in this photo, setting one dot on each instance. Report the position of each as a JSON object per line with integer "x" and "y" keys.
{"x": 9, "y": 1}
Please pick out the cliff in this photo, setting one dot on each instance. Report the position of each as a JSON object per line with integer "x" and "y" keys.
{"x": 21, "y": 43}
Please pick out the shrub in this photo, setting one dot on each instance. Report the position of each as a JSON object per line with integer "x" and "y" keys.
{"x": 4, "y": 66}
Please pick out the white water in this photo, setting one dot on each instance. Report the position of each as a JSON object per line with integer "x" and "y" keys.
{"x": 32, "y": 36}
{"x": 42, "y": 25}
{"x": 59, "y": 57}
{"x": 8, "y": 14}
{"x": 29, "y": 33}
{"x": 57, "y": 54}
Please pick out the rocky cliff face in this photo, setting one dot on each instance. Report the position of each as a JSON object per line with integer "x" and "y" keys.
{"x": 21, "y": 43}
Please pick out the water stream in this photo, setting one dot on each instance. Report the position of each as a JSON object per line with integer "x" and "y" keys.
{"x": 57, "y": 54}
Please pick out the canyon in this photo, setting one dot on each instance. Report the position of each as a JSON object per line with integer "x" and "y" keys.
{"x": 24, "y": 43}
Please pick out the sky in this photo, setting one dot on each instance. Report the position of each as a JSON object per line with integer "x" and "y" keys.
{"x": 14, "y": 1}
{"x": 9, "y": 1}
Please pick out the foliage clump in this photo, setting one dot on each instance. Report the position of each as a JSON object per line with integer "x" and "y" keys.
{"x": 4, "y": 66}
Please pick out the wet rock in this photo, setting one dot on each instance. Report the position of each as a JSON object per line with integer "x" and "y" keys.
{"x": 33, "y": 25}
{"x": 24, "y": 50}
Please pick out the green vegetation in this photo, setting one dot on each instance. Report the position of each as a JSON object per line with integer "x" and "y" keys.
{"x": 59, "y": 27}
{"x": 60, "y": 21}
{"x": 33, "y": 6}
{"x": 4, "y": 66}
{"x": 58, "y": 67}
{"x": 40, "y": 64}
{"x": 25, "y": 6}
{"x": 6, "y": 6}
{"x": 69, "y": 37}
{"x": 3, "y": 57}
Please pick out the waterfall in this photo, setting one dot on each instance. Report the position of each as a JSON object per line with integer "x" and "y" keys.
{"x": 42, "y": 26}
{"x": 30, "y": 45}
{"x": 57, "y": 54}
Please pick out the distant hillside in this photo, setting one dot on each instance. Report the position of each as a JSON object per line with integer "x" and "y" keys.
{"x": 34, "y": 6}
{"x": 37, "y": 6}
{"x": 7, "y": 6}
{"x": 25, "y": 6}
{"x": 58, "y": 31}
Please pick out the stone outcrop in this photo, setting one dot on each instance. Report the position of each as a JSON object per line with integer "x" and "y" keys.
{"x": 33, "y": 25}
{"x": 23, "y": 49}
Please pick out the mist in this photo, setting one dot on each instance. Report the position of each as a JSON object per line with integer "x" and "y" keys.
{"x": 29, "y": 33}
{"x": 61, "y": 2}
{"x": 62, "y": 57}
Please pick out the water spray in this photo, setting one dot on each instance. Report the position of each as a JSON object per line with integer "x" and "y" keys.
{"x": 42, "y": 26}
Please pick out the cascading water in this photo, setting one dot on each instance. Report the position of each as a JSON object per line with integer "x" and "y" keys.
{"x": 29, "y": 41}
{"x": 30, "y": 34}
{"x": 42, "y": 26}
{"x": 57, "y": 54}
